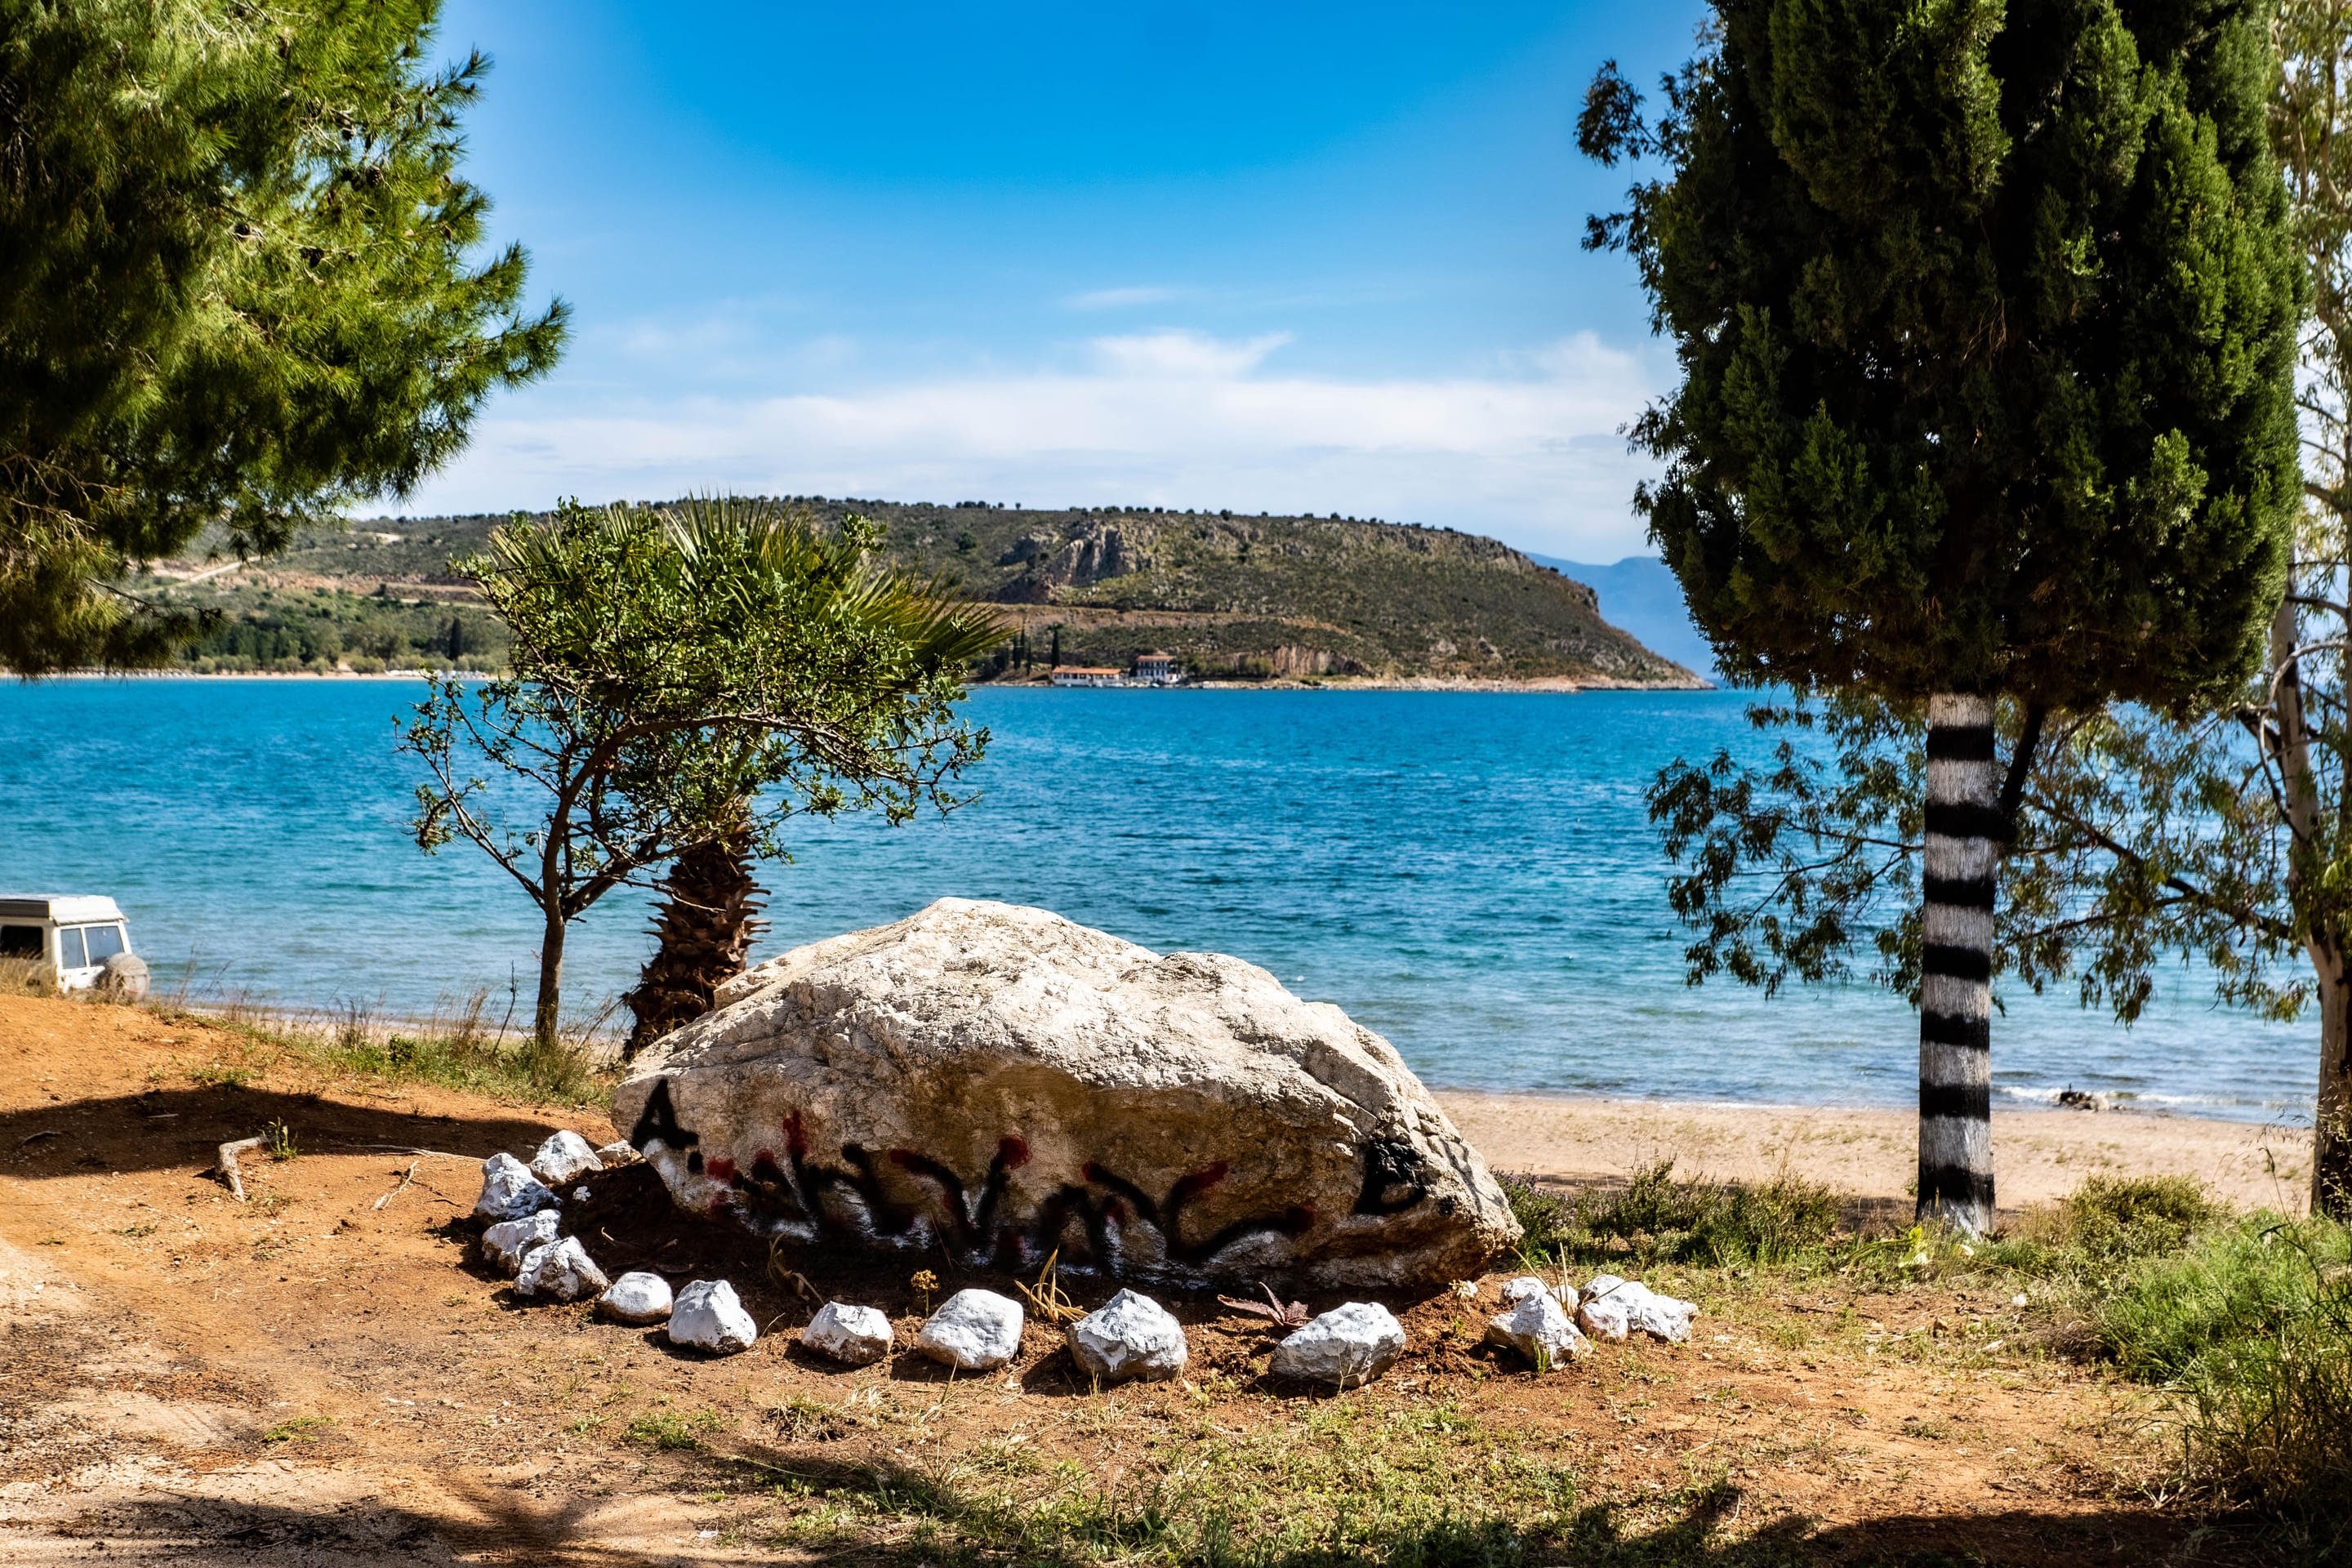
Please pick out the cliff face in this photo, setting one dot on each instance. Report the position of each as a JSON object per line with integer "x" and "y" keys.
{"x": 1247, "y": 597}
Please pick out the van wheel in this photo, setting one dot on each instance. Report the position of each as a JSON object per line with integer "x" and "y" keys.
{"x": 125, "y": 978}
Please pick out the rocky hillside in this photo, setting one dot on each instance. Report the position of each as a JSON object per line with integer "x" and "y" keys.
{"x": 1236, "y": 597}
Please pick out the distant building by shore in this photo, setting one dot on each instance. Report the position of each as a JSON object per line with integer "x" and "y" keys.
{"x": 1158, "y": 668}
{"x": 1081, "y": 675}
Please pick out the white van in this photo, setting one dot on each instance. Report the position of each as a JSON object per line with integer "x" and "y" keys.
{"x": 82, "y": 939}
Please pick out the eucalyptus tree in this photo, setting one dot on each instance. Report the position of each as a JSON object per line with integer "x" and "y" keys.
{"x": 1986, "y": 318}
{"x": 239, "y": 287}
{"x": 676, "y": 677}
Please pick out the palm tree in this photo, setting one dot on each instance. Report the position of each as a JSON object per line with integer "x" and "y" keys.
{"x": 916, "y": 628}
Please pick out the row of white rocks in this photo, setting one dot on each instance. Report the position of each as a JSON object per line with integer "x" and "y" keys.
{"x": 1537, "y": 1321}
{"x": 1130, "y": 1337}
{"x": 525, "y": 1239}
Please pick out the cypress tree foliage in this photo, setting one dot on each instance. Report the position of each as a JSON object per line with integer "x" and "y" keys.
{"x": 705, "y": 926}
{"x": 1986, "y": 315}
{"x": 237, "y": 287}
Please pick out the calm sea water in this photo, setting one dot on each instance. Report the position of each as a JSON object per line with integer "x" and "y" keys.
{"x": 1471, "y": 875}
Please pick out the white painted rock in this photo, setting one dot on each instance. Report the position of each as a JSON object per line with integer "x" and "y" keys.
{"x": 1613, "y": 1307}
{"x": 617, "y": 1152}
{"x": 974, "y": 1330}
{"x": 565, "y": 1157}
{"x": 1517, "y": 1291}
{"x": 858, "y": 1335}
{"x": 1348, "y": 1346}
{"x": 509, "y": 1242}
{"x": 562, "y": 1270}
{"x": 1003, "y": 1082}
{"x": 1128, "y": 1336}
{"x": 707, "y": 1314}
{"x": 1538, "y": 1328}
{"x": 637, "y": 1297}
{"x": 1605, "y": 1317}
{"x": 509, "y": 1191}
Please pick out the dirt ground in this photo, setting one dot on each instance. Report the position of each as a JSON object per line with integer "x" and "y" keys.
{"x": 322, "y": 1375}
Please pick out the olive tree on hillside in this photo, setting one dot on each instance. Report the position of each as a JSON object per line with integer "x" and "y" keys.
{"x": 1985, "y": 316}
{"x": 678, "y": 678}
{"x": 238, "y": 288}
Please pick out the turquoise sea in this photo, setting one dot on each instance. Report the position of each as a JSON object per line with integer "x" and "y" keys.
{"x": 1472, "y": 874}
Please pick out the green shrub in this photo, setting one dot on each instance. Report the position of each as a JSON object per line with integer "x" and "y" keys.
{"x": 2251, "y": 1326}
{"x": 1656, "y": 1216}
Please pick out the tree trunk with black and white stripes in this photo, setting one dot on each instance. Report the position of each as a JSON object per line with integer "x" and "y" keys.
{"x": 1966, "y": 836}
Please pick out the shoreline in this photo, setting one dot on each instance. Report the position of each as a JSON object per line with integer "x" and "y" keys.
{"x": 1564, "y": 685}
{"x": 1871, "y": 1153}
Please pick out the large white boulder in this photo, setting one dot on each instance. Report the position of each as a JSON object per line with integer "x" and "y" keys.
{"x": 561, "y": 1269}
{"x": 565, "y": 1157}
{"x": 637, "y": 1297}
{"x": 1006, "y": 1083}
{"x": 1538, "y": 1328}
{"x": 709, "y": 1316}
{"x": 860, "y": 1336}
{"x": 509, "y": 1191}
{"x": 974, "y": 1330}
{"x": 1348, "y": 1346}
{"x": 1128, "y": 1336}
{"x": 509, "y": 1241}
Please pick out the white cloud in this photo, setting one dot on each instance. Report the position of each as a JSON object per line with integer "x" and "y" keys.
{"x": 1124, "y": 299}
{"x": 1530, "y": 453}
{"x": 1184, "y": 355}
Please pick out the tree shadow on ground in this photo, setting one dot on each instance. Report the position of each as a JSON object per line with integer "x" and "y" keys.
{"x": 166, "y": 1129}
{"x": 921, "y": 1519}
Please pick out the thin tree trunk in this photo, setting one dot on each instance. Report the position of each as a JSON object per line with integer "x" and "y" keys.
{"x": 2331, "y": 1152}
{"x": 550, "y": 983}
{"x": 1965, "y": 836}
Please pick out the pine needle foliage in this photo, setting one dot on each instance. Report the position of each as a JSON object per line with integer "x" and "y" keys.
{"x": 239, "y": 287}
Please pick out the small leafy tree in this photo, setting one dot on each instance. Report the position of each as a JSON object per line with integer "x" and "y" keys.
{"x": 1985, "y": 316}
{"x": 677, "y": 676}
{"x": 238, "y": 288}
{"x": 2222, "y": 837}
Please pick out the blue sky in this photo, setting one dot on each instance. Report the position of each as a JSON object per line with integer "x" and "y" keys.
{"x": 1295, "y": 258}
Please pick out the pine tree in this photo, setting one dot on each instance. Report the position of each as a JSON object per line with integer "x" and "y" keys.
{"x": 237, "y": 288}
{"x": 1987, "y": 320}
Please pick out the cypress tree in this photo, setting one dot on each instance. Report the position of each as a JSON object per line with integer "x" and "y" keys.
{"x": 1985, "y": 316}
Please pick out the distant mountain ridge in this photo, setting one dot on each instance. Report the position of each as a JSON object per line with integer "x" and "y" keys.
{"x": 1235, "y": 596}
{"x": 1641, "y": 595}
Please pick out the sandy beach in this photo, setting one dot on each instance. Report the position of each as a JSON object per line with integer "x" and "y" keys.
{"x": 1870, "y": 1154}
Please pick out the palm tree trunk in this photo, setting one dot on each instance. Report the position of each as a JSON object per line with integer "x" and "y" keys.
{"x": 1965, "y": 836}
{"x": 707, "y": 927}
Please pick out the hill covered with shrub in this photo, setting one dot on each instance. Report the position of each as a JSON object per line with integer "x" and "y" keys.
{"x": 1235, "y": 596}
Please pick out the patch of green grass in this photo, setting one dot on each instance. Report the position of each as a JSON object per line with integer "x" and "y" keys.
{"x": 1659, "y": 1218}
{"x": 299, "y": 1429}
{"x": 669, "y": 1429}
{"x": 457, "y": 1050}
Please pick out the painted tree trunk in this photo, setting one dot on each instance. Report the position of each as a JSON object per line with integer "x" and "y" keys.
{"x": 1965, "y": 838}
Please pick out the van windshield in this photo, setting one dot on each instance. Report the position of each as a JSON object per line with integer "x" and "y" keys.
{"x": 70, "y": 949}
{"x": 105, "y": 941}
